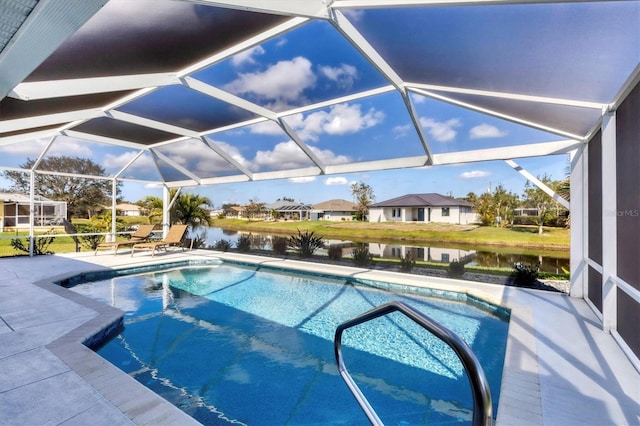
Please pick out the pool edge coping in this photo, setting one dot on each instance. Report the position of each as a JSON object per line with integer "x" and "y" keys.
{"x": 134, "y": 400}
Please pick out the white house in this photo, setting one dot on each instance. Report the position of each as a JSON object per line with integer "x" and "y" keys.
{"x": 424, "y": 208}
{"x": 334, "y": 210}
{"x": 126, "y": 209}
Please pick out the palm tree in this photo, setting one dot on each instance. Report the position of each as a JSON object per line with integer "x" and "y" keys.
{"x": 191, "y": 209}
{"x": 153, "y": 207}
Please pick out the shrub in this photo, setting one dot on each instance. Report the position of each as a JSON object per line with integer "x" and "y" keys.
{"x": 199, "y": 240}
{"x": 222, "y": 245}
{"x": 90, "y": 242}
{"x": 279, "y": 245}
{"x": 305, "y": 243}
{"x": 407, "y": 263}
{"x": 456, "y": 269}
{"x": 361, "y": 255}
{"x": 41, "y": 244}
{"x": 525, "y": 275}
{"x": 334, "y": 252}
{"x": 244, "y": 243}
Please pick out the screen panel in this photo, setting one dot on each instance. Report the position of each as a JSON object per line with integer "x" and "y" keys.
{"x": 628, "y": 188}
{"x": 595, "y": 288}
{"x": 594, "y": 198}
{"x": 629, "y": 321}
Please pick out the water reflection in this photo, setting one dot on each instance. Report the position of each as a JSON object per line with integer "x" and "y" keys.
{"x": 495, "y": 258}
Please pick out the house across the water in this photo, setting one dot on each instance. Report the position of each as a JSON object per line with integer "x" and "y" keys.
{"x": 426, "y": 208}
{"x": 334, "y": 210}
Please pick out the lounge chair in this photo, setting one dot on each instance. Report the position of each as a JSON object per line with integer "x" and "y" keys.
{"x": 142, "y": 234}
{"x": 174, "y": 238}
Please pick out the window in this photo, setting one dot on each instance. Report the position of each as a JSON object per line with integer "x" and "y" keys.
{"x": 445, "y": 211}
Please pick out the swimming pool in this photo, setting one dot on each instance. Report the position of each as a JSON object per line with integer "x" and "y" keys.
{"x": 241, "y": 344}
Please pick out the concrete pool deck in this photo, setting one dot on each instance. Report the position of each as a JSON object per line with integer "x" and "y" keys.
{"x": 560, "y": 367}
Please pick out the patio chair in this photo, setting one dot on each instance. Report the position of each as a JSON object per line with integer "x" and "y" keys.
{"x": 174, "y": 238}
{"x": 142, "y": 234}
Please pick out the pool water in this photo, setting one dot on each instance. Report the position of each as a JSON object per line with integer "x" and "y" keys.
{"x": 232, "y": 344}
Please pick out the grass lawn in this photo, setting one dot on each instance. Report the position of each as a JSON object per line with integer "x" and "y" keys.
{"x": 520, "y": 237}
{"x": 62, "y": 243}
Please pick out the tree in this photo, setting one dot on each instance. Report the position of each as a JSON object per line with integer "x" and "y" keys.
{"x": 286, "y": 199}
{"x": 191, "y": 209}
{"x": 504, "y": 204}
{"x": 563, "y": 188}
{"x": 496, "y": 208}
{"x": 471, "y": 197}
{"x": 363, "y": 197}
{"x": 253, "y": 209}
{"x": 485, "y": 209}
{"x": 83, "y": 196}
{"x": 536, "y": 198}
{"x": 152, "y": 207}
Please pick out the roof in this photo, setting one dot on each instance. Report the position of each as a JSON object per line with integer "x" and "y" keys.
{"x": 23, "y": 198}
{"x": 336, "y": 205}
{"x": 422, "y": 200}
{"x": 182, "y": 92}
{"x": 287, "y": 206}
{"x": 127, "y": 206}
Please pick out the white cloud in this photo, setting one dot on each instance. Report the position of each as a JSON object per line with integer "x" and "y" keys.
{"x": 475, "y": 174}
{"x": 339, "y": 180}
{"x": 247, "y": 56}
{"x": 285, "y": 155}
{"x": 329, "y": 157}
{"x": 341, "y": 119}
{"x": 288, "y": 155}
{"x": 401, "y": 131}
{"x": 417, "y": 99}
{"x": 305, "y": 179}
{"x": 486, "y": 131}
{"x": 196, "y": 157}
{"x": 344, "y": 75}
{"x": 266, "y": 128}
{"x": 119, "y": 161}
{"x": 441, "y": 131}
{"x": 283, "y": 82}
{"x": 61, "y": 147}
{"x": 353, "y": 15}
{"x": 234, "y": 153}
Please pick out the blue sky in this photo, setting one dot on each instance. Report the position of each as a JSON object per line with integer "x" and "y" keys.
{"x": 307, "y": 65}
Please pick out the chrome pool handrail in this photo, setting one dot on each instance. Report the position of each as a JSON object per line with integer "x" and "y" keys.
{"x": 482, "y": 410}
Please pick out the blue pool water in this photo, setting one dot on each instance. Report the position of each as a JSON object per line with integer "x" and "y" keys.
{"x": 235, "y": 344}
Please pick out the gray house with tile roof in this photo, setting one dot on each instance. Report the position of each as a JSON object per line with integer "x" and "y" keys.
{"x": 334, "y": 210}
{"x": 426, "y": 208}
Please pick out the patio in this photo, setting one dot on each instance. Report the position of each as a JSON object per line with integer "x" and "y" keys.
{"x": 569, "y": 374}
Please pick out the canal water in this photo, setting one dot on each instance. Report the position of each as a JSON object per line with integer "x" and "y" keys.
{"x": 494, "y": 257}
